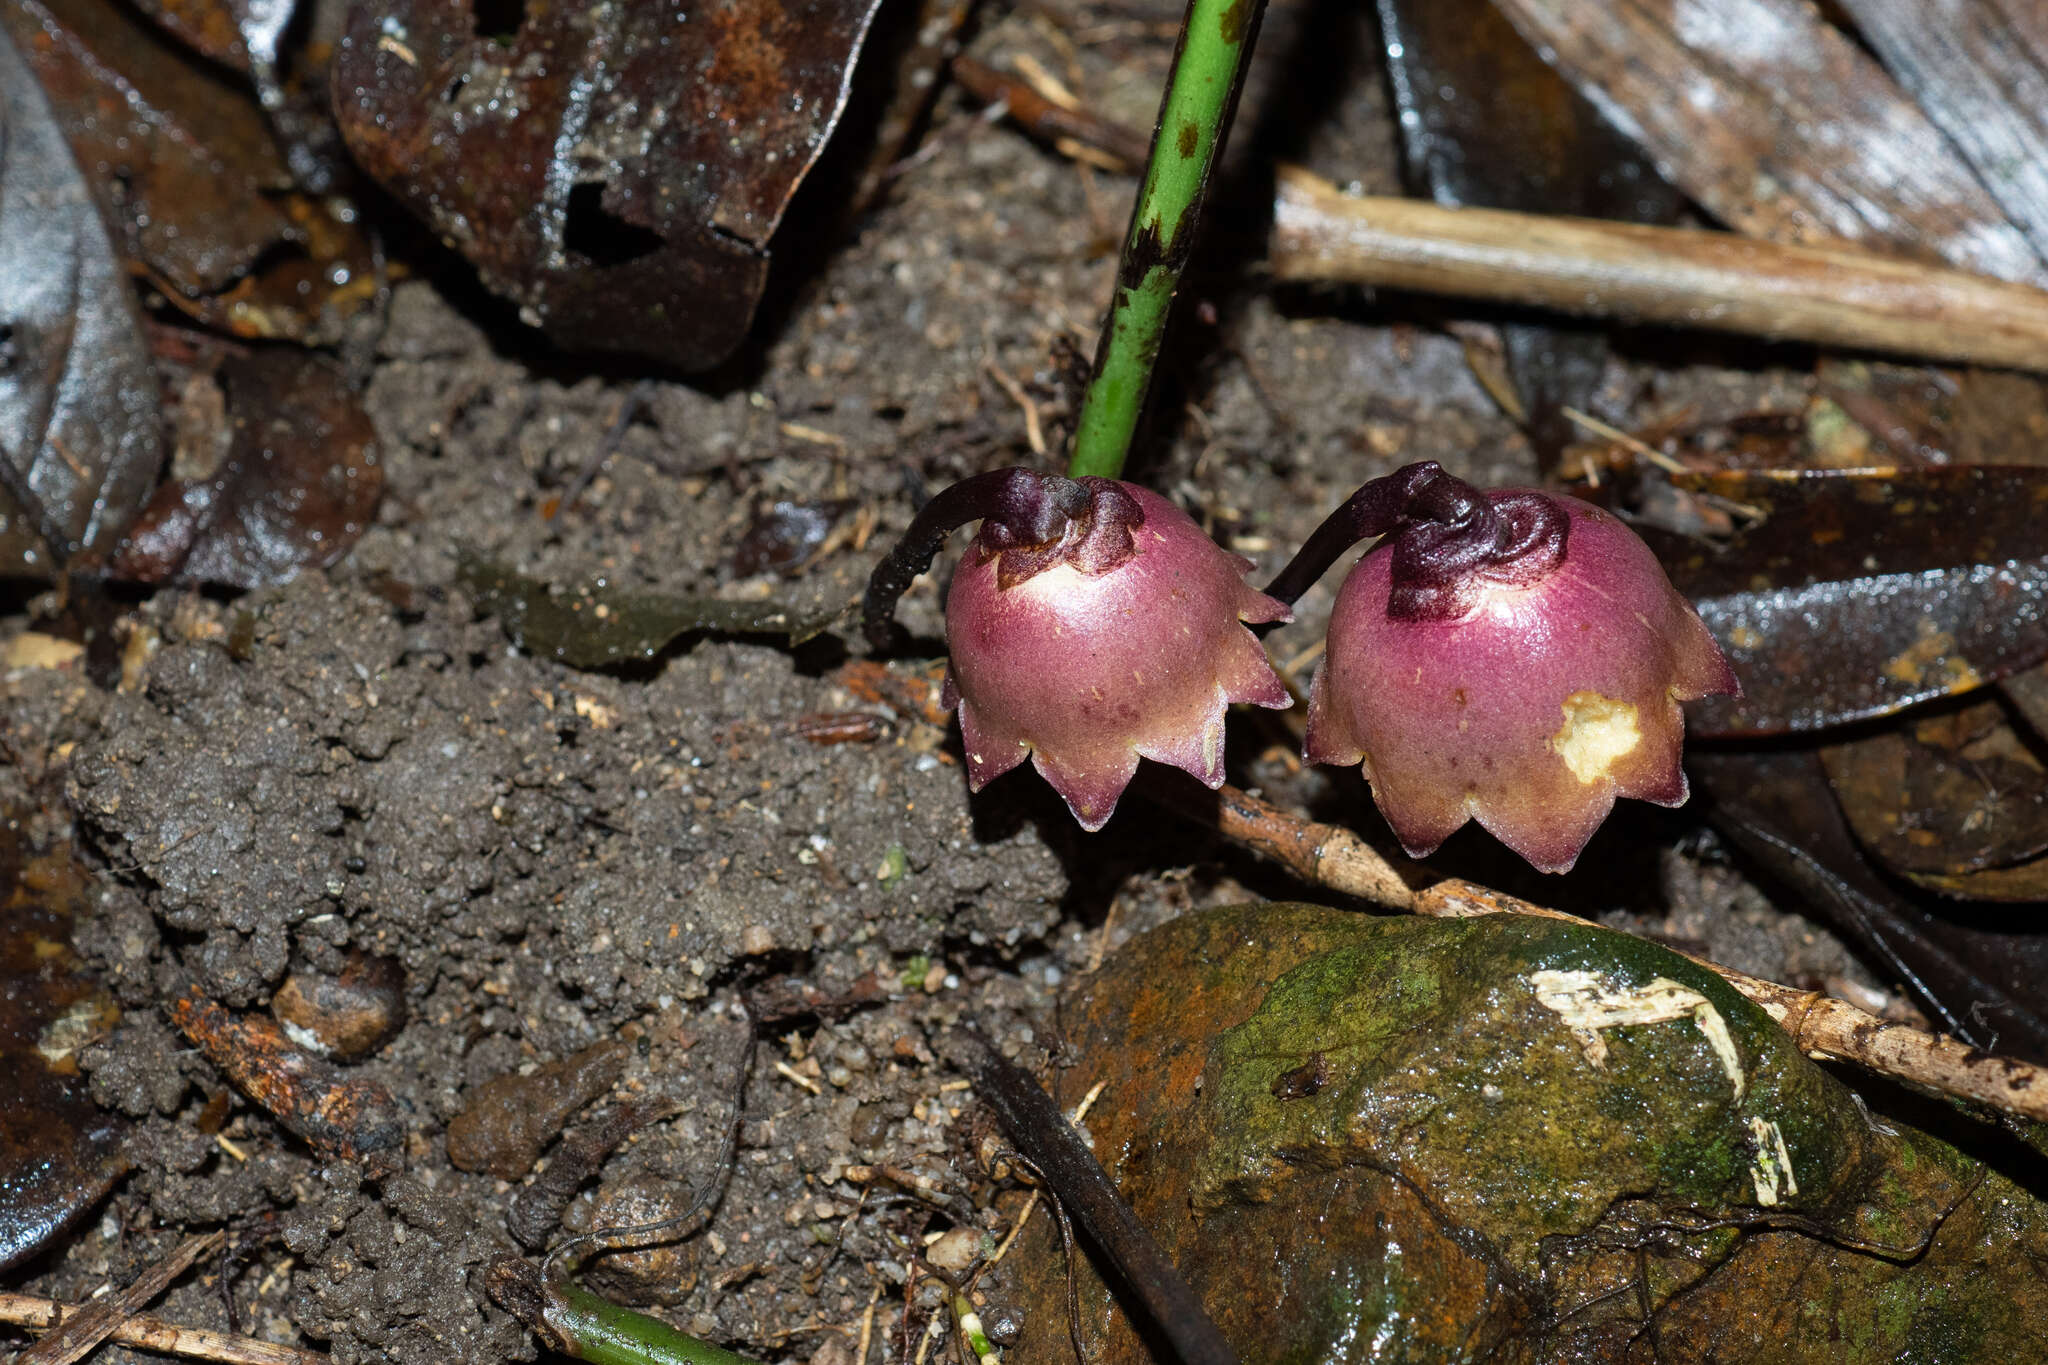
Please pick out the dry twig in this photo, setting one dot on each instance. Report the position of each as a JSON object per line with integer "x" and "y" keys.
{"x": 1070, "y": 128}
{"x": 93, "y": 1323}
{"x": 154, "y": 1334}
{"x": 1841, "y": 296}
{"x": 1821, "y": 1026}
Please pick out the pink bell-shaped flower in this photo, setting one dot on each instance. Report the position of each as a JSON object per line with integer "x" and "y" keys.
{"x": 1090, "y": 624}
{"x": 1512, "y": 657}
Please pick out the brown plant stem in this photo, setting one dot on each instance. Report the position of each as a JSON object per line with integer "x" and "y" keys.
{"x": 154, "y": 1334}
{"x": 1046, "y": 120}
{"x": 1837, "y": 296}
{"x": 1821, "y": 1026}
{"x": 1045, "y": 1138}
{"x": 82, "y": 1331}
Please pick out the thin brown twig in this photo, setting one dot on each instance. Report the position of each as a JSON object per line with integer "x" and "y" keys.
{"x": 1834, "y": 296}
{"x": 1820, "y": 1026}
{"x": 1066, "y": 128}
{"x": 93, "y": 1323}
{"x": 154, "y": 1334}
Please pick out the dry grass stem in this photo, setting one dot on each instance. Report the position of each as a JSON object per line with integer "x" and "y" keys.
{"x": 1838, "y": 296}
{"x": 154, "y": 1334}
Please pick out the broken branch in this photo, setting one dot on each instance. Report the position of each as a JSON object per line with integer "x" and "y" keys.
{"x": 1837, "y": 296}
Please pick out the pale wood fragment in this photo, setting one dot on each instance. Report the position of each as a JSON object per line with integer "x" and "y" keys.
{"x": 1843, "y": 296}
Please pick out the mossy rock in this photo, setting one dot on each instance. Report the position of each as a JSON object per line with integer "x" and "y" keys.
{"x": 1513, "y": 1139}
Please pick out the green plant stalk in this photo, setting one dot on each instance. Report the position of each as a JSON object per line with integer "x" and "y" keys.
{"x": 596, "y": 1329}
{"x": 985, "y": 1352}
{"x": 1201, "y": 94}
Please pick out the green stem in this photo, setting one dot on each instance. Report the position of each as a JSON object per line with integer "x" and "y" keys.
{"x": 985, "y": 1352}
{"x": 1201, "y": 94}
{"x": 598, "y": 1330}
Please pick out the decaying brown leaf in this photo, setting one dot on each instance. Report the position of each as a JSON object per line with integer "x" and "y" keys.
{"x": 1945, "y": 796}
{"x": 615, "y": 170}
{"x": 200, "y": 197}
{"x": 79, "y": 448}
{"x": 59, "y": 1152}
{"x": 297, "y": 486}
{"x": 1979, "y": 70}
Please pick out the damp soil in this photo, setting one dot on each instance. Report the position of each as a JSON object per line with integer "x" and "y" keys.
{"x": 561, "y": 858}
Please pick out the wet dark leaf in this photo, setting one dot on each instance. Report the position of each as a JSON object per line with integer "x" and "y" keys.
{"x": 1455, "y": 65}
{"x": 786, "y": 535}
{"x": 1525, "y": 1144}
{"x": 1861, "y": 593}
{"x": 1945, "y": 798}
{"x": 597, "y": 625}
{"x": 1982, "y": 977}
{"x": 78, "y": 401}
{"x": 1779, "y": 125}
{"x": 59, "y": 1152}
{"x": 256, "y": 37}
{"x": 296, "y": 488}
{"x": 616, "y": 170}
{"x": 200, "y": 196}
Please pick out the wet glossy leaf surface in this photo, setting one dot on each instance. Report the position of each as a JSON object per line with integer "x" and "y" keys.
{"x": 200, "y": 196}
{"x": 1494, "y": 1167}
{"x": 1981, "y": 974}
{"x": 297, "y": 486}
{"x": 59, "y": 1152}
{"x": 617, "y": 171}
{"x": 597, "y": 625}
{"x": 78, "y": 403}
{"x": 1857, "y": 594}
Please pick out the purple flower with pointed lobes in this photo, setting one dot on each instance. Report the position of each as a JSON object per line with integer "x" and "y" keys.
{"x": 1513, "y": 657}
{"x": 1090, "y": 624}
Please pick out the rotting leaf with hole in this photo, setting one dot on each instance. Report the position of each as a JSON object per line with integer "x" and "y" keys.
{"x": 616, "y": 170}
{"x": 1454, "y": 66}
{"x": 297, "y": 486}
{"x": 78, "y": 400}
{"x": 600, "y": 626}
{"x": 1521, "y": 1137}
{"x": 59, "y": 1152}
{"x": 1859, "y": 593}
{"x": 198, "y": 193}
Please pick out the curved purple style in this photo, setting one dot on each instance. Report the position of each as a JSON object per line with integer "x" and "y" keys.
{"x": 1085, "y": 670}
{"x": 1524, "y": 690}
